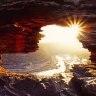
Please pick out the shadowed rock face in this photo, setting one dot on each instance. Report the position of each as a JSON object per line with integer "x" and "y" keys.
{"x": 85, "y": 79}
{"x": 83, "y": 83}
{"x": 20, "y": 22}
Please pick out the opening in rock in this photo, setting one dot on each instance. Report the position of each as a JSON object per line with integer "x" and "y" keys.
{"x": 62, "y": 44}
{"x": 58, "y": 51}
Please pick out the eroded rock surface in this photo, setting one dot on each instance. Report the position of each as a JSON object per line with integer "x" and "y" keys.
{"x": 20, "y": 22}
{"x": 85, "y": 79}
{"x": 82, "y": 83}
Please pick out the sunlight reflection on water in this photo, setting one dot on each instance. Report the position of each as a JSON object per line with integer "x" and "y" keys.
{"x": 60, "y": 68}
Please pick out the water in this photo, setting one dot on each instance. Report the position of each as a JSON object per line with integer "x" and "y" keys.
{"x": 60, "y": 68}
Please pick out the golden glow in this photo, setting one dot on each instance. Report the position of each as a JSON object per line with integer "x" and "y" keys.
{"x": 54, "y": 33}
{"x": 63, "y": 41}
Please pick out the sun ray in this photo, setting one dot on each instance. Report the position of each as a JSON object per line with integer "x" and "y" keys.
{"x": 74, "y": 26}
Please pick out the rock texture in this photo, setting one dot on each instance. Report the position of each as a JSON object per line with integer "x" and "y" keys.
{"x": 82, "y": 83}
{"x": 85, "y": 79}
{"x": 12, "y": 84}
{"x": 20, "y": 22}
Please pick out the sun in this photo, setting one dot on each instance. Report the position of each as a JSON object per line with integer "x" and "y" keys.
{"x": 74, "y": 30}
{"x": 54, "y": 33}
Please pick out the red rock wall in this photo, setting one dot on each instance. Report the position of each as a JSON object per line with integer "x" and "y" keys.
{"x": 20, "y": 22}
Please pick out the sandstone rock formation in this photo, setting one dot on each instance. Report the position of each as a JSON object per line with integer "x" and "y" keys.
{"x": 20, "y": 22}
{"x": 85, "y": 79}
